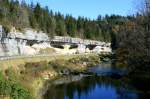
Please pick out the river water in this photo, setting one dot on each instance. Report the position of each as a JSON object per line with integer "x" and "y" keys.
{"x": 106, "y": 84}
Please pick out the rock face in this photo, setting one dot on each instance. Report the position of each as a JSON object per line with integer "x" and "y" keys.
{"x": 28, "y": 43}
{"x": 100, "y": 49}
{"x": 31, "y": 42}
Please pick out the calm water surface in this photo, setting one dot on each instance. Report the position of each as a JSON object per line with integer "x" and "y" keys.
{"x": 102, "y": 86}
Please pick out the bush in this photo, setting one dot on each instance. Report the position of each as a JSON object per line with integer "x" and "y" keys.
{"x": 18, "y": 92}
{"x": 12, "y": 89}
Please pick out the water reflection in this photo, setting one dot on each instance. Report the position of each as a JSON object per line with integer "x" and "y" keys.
{"x": 106, "y": 69}
{"x": 106, "y": 85}
{"x": 91, "y": 88}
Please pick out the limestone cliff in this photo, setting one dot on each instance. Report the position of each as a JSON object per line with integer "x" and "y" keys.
{"x": 32, "y": 42}
{"x": 28, "y": 42}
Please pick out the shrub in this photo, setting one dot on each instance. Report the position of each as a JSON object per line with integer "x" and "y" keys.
{"x": 12, "y": 89}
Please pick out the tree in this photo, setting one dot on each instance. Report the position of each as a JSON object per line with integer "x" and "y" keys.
{"x": 71, "y": 26}
{"x": 51, "y": 26}
{"x": 21, "y": 15}
{"x": 134, "y": 42}
{"x": 61, "y": 28}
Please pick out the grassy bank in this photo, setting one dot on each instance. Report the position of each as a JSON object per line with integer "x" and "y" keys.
{"x": 31, "y": 73}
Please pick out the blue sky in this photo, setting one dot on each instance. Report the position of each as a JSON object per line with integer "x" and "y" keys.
{"x": 89, "y": 8}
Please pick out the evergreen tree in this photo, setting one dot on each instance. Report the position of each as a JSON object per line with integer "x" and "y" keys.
{"x": 34, "y": 16}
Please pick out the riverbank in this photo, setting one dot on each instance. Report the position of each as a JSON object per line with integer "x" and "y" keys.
{"x": 31, "y": 73}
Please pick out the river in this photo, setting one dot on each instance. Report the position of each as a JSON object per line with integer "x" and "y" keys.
{"x": 108, "y": 83}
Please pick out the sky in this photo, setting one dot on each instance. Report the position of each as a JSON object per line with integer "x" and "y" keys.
{"x": 89, "y": 8}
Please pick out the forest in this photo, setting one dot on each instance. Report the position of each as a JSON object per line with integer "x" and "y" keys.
{"x": 22, "y": 15}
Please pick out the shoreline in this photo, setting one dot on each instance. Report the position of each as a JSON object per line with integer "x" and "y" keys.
{"x": 32, "y": 73}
